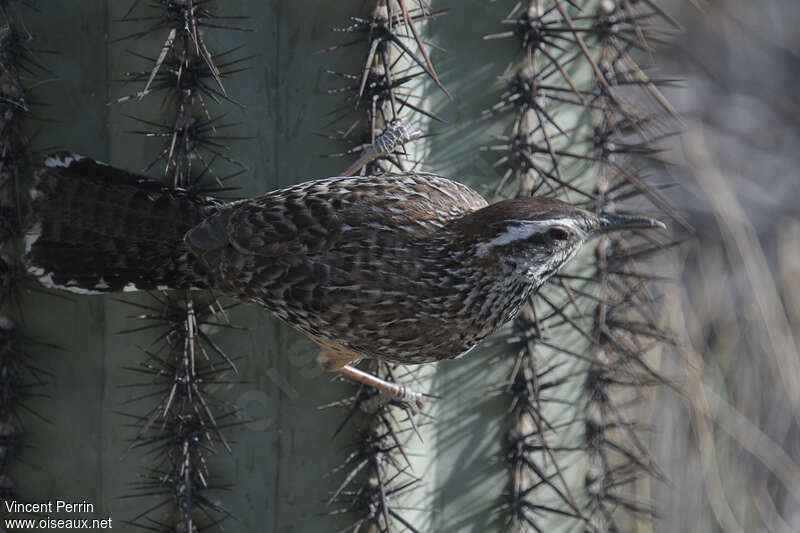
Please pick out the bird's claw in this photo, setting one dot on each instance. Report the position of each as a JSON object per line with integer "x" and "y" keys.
{"x": 407, "y": 399}
{"x": 410, "y": 400}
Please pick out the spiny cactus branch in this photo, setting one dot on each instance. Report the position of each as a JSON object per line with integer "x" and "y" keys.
{"x": 184, "y": 361}
{"x": 548, "y": 151}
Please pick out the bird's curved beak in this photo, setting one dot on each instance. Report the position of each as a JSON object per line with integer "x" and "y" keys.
{"x": 607, "y": 223}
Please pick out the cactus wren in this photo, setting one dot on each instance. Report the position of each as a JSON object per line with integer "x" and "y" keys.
{"x": 409, "y": 268}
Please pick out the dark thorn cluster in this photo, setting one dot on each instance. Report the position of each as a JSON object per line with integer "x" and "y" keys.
{"x": 184, "y": 422}
{"x": 375, "y": 475}
{"x": 20, "y": 378}
{"x": 380, "y": 89}
{"x": 611, "y": 310}
{"x": 184, "y": 21}
{"x": 186, "y": 74}
{"x": 191, "y": 145}
{"x": 187, "y": 488}
{"x": 531, "y": 453}
{"x": 189, "y": 80}
{"x": 378, "y": 471}
{"x": 379, "y": 98}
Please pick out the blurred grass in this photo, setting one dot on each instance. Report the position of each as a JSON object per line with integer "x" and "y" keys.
{"x": 731, "y": 444}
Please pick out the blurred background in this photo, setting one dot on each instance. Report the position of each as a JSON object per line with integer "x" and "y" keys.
{"x": 729, "y": 441}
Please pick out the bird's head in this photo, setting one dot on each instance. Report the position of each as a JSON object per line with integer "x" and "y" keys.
{"x": 532, "y": 237}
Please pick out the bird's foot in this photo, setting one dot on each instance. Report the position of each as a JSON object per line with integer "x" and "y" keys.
{"x": 396, "y": 134}
{"x": 389, "y": 391}
{"x": 408, "y": 399}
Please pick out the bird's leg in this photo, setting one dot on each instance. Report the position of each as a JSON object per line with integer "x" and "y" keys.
{"x": 395, "y": 135}
{"x": 333, "y": 358}
{"x": 395, "y": 390}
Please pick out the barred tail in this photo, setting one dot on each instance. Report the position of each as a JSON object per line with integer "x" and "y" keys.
{"x": 94, "y": 228}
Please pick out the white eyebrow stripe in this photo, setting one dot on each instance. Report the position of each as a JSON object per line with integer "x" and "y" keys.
{"x": 524, "y": 229}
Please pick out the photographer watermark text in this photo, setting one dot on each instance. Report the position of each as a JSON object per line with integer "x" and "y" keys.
{"x": 70, "y": 518}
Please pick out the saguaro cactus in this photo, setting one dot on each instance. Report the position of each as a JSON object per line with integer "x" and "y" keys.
{"x": 531, "y": 433}
{"x": 20, "y": 377}
{"x": 383, "y": 106}
{"x": 577, "y": 118}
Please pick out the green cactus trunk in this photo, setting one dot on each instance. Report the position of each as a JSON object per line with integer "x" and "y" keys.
{"x": 531, "y": 432}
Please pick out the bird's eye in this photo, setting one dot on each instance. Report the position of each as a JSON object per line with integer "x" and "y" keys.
{"x": 557, "y": 234}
